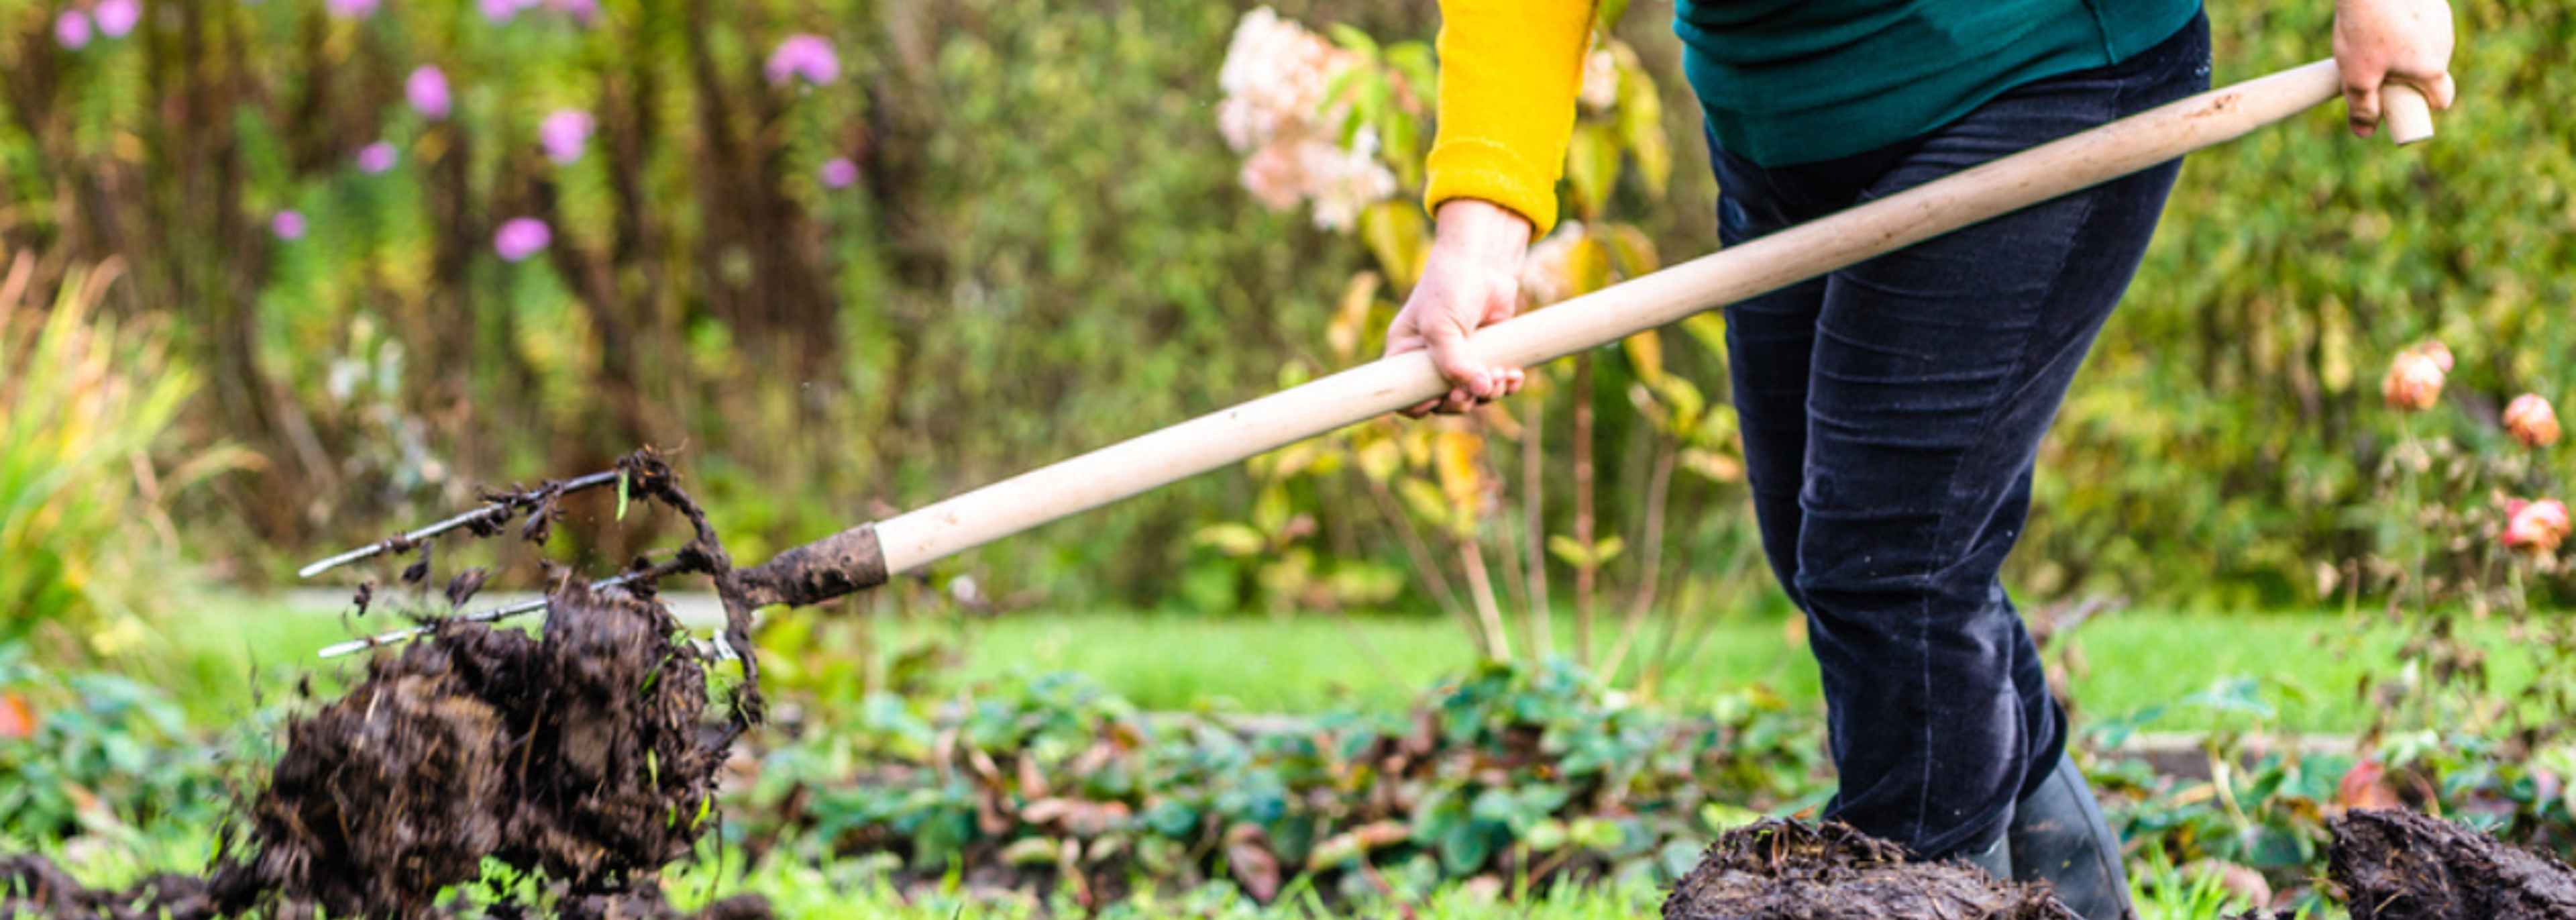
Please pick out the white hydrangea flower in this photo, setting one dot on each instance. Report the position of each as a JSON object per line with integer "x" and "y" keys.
{"x": 1600, "y": 81}
{"x": 1547, "y": 270}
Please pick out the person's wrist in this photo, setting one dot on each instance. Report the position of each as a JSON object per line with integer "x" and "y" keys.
{"x": 1482, "y": 231}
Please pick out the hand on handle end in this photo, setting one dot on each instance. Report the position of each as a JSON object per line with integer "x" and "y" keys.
{"x": 2395, "y": 56}
{"x": 1470, "y": 281}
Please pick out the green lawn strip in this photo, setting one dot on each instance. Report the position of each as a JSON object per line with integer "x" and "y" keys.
{"x": 2133, "y": 660}
{"x": 223, "y": 654}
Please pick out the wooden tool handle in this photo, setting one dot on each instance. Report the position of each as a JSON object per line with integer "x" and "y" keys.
{"x": 2404, "y": 113}
{"x": 1789, "y": 256}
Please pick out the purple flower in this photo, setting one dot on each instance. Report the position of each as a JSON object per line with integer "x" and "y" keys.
{"x": 427, "y": 90}
{"x": 288, "y": 224}
{"x": 500, "y": 11}
{"x": 351, "y": 9}
{"x": 564, "y": 133}
{"x": 377, "y": 157}
{"x": 805, "y": 56}
{"x": 72, "y": 29}
{"x": 840, "y": 172}
{"x": 582, "y": 11}
{"x": 521, "y": 237}
{"x": 117, "y": 17}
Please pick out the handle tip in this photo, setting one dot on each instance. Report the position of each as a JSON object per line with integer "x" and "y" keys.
{"x": 2404, "y": 113}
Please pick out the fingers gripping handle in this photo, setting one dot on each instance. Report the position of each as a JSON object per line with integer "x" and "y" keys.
{"x": 2404, "y": 112}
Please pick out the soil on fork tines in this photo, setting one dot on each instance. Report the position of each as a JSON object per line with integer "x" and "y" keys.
{"x": 577, "y": 753}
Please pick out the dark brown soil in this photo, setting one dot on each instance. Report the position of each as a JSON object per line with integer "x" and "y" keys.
{"x": 2399, "y": 865}
{"x": 578, "y": 754}
{"x": 1785, "y": 870}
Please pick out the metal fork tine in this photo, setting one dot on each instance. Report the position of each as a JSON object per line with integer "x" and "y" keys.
{"x": 502, "y": 612}
{"x": 489, "y": 510}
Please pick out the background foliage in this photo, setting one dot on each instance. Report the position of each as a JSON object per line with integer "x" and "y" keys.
{"x": 1046, "y": 249}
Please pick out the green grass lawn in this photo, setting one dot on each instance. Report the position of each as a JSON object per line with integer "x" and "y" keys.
{"x": 222, "y": 652}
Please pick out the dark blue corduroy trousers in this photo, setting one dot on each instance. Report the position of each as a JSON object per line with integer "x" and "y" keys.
{"x": 1892, "y": 413}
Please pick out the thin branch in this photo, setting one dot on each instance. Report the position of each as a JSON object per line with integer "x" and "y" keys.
{"x": 1429, "y": 571}
{"x": 1658, "y": 491}
{"x": 1498, "y": 645}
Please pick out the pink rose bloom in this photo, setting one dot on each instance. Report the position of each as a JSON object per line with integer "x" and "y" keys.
{"x": 2414, "y": 381}
{"x": 117, "y": 17}
{"x": 564, "y": 133}
{"x": 72, "y": 29}
{"x": 840, "y": 172}
{"x": 2531, "y": 420}
{"x": 288, "y": 225}
{"x": 376, "y": 158}
{"x": 806, "y": 56}
{"x": 2440, "y": 353}
{"x": 521, "y": 237}
{"x": 351, "y": 9}
{"x": 427, "y": 90}
{"x": 2535, "y": 526}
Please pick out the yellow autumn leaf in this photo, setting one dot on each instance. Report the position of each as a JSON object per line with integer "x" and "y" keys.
{"x": 1455, "y": 462}
{"x": 1350, "y": 321}
{"x": 1646, "y": 354}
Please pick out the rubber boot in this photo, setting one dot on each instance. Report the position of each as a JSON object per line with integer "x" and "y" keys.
{"x": 2058, "y": 836}
{"x": 1996, "y": 859}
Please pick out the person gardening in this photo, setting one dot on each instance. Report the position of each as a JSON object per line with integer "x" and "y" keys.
{"x": 1892, "y": 411}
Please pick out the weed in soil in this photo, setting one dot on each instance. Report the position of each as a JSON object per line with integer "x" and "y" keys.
{"x": 1785, "y": 870}
{"x": 2399, "y": 865}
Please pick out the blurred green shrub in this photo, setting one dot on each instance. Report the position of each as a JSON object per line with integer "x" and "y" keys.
{"x": 84, "y": 403}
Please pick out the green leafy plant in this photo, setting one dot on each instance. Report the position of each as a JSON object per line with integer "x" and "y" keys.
{"x": 1519, "y": 775}
{"x": 98, "y": 754}
{"x": 84, "y": 406}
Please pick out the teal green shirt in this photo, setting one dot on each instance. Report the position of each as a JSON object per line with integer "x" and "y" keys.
{"x": 1785, "y": 82}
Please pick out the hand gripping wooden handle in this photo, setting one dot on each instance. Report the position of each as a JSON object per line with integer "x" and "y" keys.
{"x": 1787, "y": 257}
{"x": 2404, "y": 113}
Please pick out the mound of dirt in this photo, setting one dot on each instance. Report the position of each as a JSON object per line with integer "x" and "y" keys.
{"x": 1785, "y": 870}
{"x": 2399, "y": 865}
{"x": 578, "y": 753}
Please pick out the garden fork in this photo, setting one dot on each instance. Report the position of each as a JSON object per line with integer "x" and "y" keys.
{"x": 866, "y": 555}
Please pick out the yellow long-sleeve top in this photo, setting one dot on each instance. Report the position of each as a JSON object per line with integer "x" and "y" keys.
{"x": 1781, "y": 82}
{"x": 1509, "y": 71}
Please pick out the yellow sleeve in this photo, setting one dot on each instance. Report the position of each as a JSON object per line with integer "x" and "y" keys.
{"x": 1509, "y": 71}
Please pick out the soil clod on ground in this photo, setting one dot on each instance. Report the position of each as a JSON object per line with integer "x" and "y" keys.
{"x": 577, "y": 753}
{"x": 2399, "y": 865}
{"x": 1786, "y": 870}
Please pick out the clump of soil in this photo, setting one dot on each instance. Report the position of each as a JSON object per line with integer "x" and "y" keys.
{"x": 2399, "y": 865}
{"x": 1785, "y": 870}
{"x": 576, "y": 753}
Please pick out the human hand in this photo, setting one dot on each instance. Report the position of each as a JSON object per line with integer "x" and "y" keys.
{"x": 2378, "y": 41}
{"x": 1471, "y": 280}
